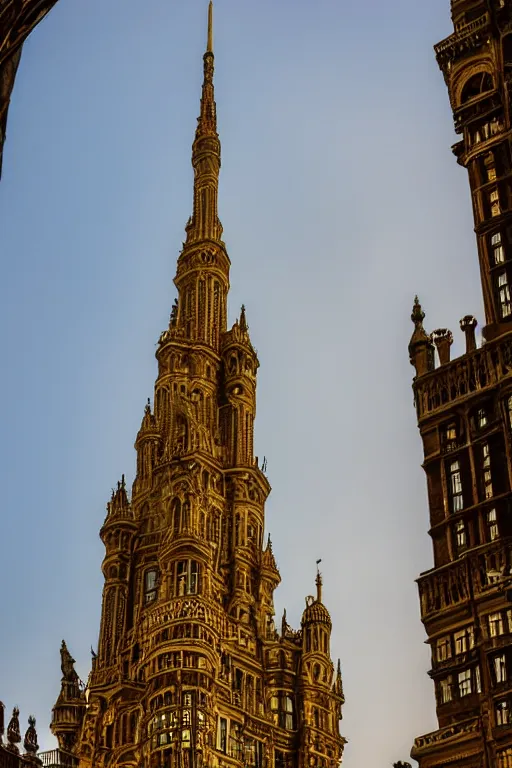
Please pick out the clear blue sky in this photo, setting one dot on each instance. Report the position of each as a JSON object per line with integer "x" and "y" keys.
{"x": 340, "y": 200}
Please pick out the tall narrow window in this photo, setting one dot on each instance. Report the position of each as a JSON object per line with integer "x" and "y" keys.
{"x": 464, "y": 678}
{"x": 495, "y": 624}
{"x": 509, "y": 410}
{"x": 500, "y": 668}
{"x": 502, "y": 712}
{"x": 498, "y": 254}
{"x": 150, "y": 579}
{"x": 187, "y": 577}
{"x": 445, "y": 687}
{"x": 492, "y": 525}
{"x": 481, "y": 418}
{"x": 486, "y": 468}
{"x": 460, "y": 532}
{"x": 223, "y": 734}
{"x": 443, "y": 649}
{"x": 494, "y": 202}
{"x": 464, "y": 640}
{"x": 504, "y": 295}
{"x": 456, "y": 486}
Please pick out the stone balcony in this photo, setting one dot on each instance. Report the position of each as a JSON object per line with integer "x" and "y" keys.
{"x": 463, "y": 377}
{"x": 444, "y": 588}
{"x": 465, "y": 38}
{"x": 463, "y": 731}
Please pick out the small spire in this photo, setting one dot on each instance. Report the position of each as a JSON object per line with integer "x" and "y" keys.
{"x": 417, "y": 315}
{"x": 209, "y": 47}
{"x": 243, "y": 320}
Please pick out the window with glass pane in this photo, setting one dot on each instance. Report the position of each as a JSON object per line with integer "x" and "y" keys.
{"x": 460, "y": 531}
{"x": 500, "y": 668}
{"x": 495, "y": 624}
{"x": 481, "y": 418}
{"x": 456, "y": 486}
{"x": 446, "y": 690}
{"x": 486, "y": 468}
{"x": 287, "y": 713}
{"x": 465, "y": 682}
{"x": 498, "y": 254}
{"x": 187, "y": 577}
{"x": 223, "y": 734}
{"x": 504, "y": 295}
{"x": 492, "y": 524}
{"x": 450, "y": 432}
{"x": 478, "y": 680}
{"x": 235, "y": 741}
{"x": 150, "y": 579}
{"x": 494, "y": 202}
{"x": 443, "y": 648}
{"x": 464, "y": 640}
{"x": 502, "y": 712}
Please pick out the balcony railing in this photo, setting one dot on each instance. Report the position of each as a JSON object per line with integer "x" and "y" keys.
{"x": 443, "y": 588}
{"x": 56, "y": 758}
{"x": 465, "y": 375}
{"x": 466, "y": 729}
{"x": 463, "y": 35}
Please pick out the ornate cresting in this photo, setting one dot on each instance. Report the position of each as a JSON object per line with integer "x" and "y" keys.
{"x": 190, "y": 671}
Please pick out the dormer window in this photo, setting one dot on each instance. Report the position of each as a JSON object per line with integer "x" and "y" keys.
{"x": 150, "y": 586}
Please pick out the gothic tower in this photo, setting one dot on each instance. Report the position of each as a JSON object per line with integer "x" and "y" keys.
{"x": 464, "y": 409}
{"x": 190, "y": 670}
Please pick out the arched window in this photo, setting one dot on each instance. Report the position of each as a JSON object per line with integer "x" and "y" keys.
{"x": 477, "y": 84}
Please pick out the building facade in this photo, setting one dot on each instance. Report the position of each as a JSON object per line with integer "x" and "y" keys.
{"x": 464, "y": 409}
{"x": 17, "y": 20}
{"x": 190, "y": 669}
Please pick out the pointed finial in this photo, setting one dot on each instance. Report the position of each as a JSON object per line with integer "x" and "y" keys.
{"x": 417, "y": 315}
{"x": 269, "y": 543}
{"x": 243, "y": 319}
{"x": 209, "y": 47}
{"x": 318, "y": 582}
{"x": 30, "y": 740}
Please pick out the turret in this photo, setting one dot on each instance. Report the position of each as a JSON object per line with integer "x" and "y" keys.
{"x": 421, "y": 349}
{"x": 69, "y": 709}
{"x": 321, "y": 692}
{"x": 117, "y": 534}
{"x": 239, "y": 393}
{"x": 147, "y": 446}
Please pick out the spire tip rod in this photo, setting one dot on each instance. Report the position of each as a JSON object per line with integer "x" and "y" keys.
{"x": 209, "y": 47}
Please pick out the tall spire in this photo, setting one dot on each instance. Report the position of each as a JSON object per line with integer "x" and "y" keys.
{"x": 204, "y": 223}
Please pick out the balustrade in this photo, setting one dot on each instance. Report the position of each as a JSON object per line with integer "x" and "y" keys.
{"x": 463, "y": 376}
{"x": 443, "y": 588}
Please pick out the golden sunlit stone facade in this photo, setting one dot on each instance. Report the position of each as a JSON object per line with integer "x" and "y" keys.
{"x": 190, "y": 670}
{"x": 464, "y": 409}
